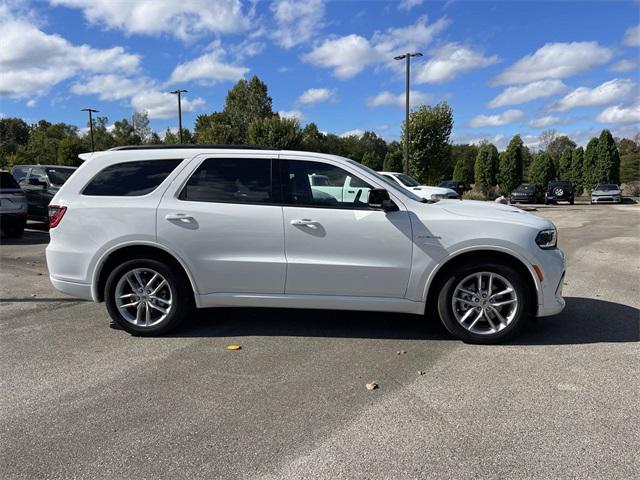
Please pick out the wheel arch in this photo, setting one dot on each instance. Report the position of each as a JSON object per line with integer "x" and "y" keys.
{"x": 495, "y": 254}
{"x": 122, "y": 253}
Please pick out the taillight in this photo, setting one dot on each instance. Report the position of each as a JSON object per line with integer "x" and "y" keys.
{"x": 56, "y": 212}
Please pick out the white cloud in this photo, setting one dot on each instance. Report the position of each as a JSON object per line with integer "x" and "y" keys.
{"x": 621, "y": 114}
{"x": 609, "y": 92}
{"x": 499, "y": 140}
{"x": 451, "y": 60}
{"x": 297, "y": 21}
{"x": 31, "y": 103}
{"x": 110, "y": 87}
{"x": 297, "y": 114}
{"x": 208, "y": 69}
{"x": 349, "y": 55}
{"x": 527, "y": 93}
{"x": 555, "y": 60}
{"x": 183, "y": 19}
{"x": 356, "y": 132}
{"x": 505, "y": 118}
{"x": 163, "y": 105}
{"x": 36, "y": 61}
{"x": 632, "y": 36}
{"x": 545, "y": 121}
{"x": 625, "y": 65}
{"x": 407, "y": 5}
{"x": 316, "y": 95}
{"x": 387, "y": 98}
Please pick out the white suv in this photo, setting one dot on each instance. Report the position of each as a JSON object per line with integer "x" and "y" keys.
{"x": 154, "y": 231}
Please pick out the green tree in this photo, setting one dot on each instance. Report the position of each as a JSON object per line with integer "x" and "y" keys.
{"x": 275, "y": 132}
{"x": 486, "y": 168}
{"x": 429, "y": 132}
{"x": 589, "y": 175}
{"x": 140, "y": 121}
{"x": 542, "y": 169}
{"x": 511, "y": 166}
{"x": 629, "y": 160}
{"x": 393, "y": 161}
{"x": 577, "y": 157}
{"x": 463, "y": 158}
{"x": 372, "y": 160}
{"x": 170, "y": 138}
{"x": 248, "y": 100}
{"x": 312, "y": 139}
{"x": 216, "y": 128}
{"x": 124, "y": 133}
{"x": 564, "y": 165}
{"x": 608, "y": 159}
{"x": 68, "y": 150}
{"x": 558, "y": 145}
{"x": 14, "y": 133}
{"x": 375, "y": 145}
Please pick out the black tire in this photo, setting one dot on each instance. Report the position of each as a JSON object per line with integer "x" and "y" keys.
{"x": 571, "y": 201}
{"x": 182, "y": 297}
{"x": 445, "y": 308}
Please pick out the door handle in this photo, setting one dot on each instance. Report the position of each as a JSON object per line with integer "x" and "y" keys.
{"x": 351, "y": 191}
{"x": 181, "y": 217}
{"x": 303, "y": 222}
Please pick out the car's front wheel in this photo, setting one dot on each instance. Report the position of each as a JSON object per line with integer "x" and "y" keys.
{"x": 147, "y": 297}
{"x": 484, "y": 302}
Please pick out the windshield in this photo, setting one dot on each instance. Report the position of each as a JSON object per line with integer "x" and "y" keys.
{"x": 406, "y": 180}
{"x": 7, "y": 181}
{"x": 386, "y": 181}
{"x": 526, "y": 188}
{"x": 607, "y": 186}
{"x": 57, "y": 176}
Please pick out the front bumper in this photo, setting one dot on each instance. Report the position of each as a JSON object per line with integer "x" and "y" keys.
{"x": 522, "y": 199}
{"x": 552, "y": 264}
{"x": 606, "y": 199}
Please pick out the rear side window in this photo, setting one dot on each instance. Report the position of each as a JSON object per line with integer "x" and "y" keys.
{"x": 130, "y": 179}
{"x": 7, "y": 181}
{"x": 20, "y": 173}
{"x": 226, "y": 180}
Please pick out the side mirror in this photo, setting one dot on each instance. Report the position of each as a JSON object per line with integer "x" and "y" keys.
{"x": 37, "y": 182}
{"x": 380, "y": 200}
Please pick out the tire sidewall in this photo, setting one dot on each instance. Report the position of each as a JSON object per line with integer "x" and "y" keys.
{"x": 445, "y": 309}
{"x": 180, "y": 297}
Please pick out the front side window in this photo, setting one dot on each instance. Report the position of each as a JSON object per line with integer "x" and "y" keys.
{"x": 230, "y": 180}
{"x": 20, "y": 173}
{"x": 57, "y": 176}
{"x": 130, "y": 179}
{"x": 338, "y": 189}
{"x": 406, "y": 180}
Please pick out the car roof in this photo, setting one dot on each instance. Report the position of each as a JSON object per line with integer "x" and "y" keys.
{"x": 42, "y": 166}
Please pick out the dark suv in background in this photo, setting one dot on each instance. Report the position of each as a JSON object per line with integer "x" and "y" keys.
{"x": 454, "y": 185}
{"x": 40, "y": 183}
{"x": 527, "y": 193}
{"x": 559, "y": 191}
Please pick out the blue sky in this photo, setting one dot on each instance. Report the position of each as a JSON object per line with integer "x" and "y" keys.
{"x": 505, "y": 67}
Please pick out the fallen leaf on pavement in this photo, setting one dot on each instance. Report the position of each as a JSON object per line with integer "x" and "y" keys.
{"x": 233, "y": 347}
{"x": 371, "y": 386}
{"x": 402, "y": 352}
{"x": 421, "y": 372}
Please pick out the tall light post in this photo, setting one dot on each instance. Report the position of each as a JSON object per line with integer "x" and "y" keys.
{"x": 91, "y": 111}
{"x": 179, "y": 93}
{"x": 407, "y": 58}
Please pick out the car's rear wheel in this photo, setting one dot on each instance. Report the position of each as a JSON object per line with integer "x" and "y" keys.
{"x": 147, "y": 297}
{"x": 484, "y": 302}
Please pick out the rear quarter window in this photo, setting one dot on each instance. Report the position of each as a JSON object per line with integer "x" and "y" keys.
{"x": 130, "y": 179}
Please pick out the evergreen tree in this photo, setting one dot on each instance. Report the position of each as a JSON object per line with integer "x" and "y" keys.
{"x": 542, "y": 169}
{"x": 608, "y": 160}
{"x": 577, "y": 157}
{"x": 464, "y": 171}
{"x": 589, "y": 176}
{"x": 429, "y": 132}
{"x": 486, "y": 168}
{"x": 564, "y": 167}
{"x": 275, "y": 132}
{"x": 511, "y": 166}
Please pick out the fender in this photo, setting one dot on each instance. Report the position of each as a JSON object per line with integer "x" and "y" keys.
{"x": 474, "y": 248}
{"x": 138, "y": 243}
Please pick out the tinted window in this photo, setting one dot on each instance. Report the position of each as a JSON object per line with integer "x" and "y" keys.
{"x": 38, "y": 174}
{"x": 19, "y": 173}
{"x": 130, "y": 179}
{"x": 407, "y": 180}
{"x": 342, "y": 189}
{"x": 57, "y": 176}
{"x": 7, "y": 181}
{"x": 226, "y": 180}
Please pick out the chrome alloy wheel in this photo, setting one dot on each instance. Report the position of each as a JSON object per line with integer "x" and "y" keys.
{"x": 143, "y": 297}
{"x": 484, "y": 303}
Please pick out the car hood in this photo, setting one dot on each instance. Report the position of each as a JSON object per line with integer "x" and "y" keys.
{"x": 492, "y": 211}
{"x": 606, "y": 192}
{"x": 432, "y": 190}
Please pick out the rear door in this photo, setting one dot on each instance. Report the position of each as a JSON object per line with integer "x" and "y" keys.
{"x": 341, "y": 247}
{"x": 223, "y": 218}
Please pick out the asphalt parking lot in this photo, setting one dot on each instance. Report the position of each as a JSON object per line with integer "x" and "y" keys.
{"x": 83, "y": 400}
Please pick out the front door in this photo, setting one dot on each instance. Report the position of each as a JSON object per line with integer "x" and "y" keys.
{"x": 220, "y": 216}
{"x": 336, "y": 244}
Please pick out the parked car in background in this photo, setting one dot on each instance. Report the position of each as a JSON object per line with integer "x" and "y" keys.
{"x": 606, "y": 193}
{"x": 40, "y": 183}
{"x": 559, "y": 191}
{"x": 13, "y": 206}
{"x": 527, "y": 193}
{"x": 156, "y": 230}
{"x": 454, "y": 185}
{"x": 423, "y": 191}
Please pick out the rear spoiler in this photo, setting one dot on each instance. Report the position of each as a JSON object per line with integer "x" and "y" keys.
{"x": 85, "y": 156}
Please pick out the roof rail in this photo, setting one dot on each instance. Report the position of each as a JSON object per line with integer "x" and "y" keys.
{"x": 190, "y": 146}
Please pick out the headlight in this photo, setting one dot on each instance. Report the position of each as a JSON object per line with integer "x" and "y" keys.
{"x": 438, "y": 196}
{"x": 547, "y": 238}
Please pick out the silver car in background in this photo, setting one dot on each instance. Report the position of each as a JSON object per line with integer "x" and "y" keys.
{"x": 13, "y": 206}
{"x": 606, "y": 193}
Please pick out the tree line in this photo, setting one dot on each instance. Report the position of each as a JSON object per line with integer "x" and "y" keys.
{"x": 247, "y": 117}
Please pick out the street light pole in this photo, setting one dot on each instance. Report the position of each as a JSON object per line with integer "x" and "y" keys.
{"x": 179, "y": 93}
{"x": 91, "y": 111}
{"x": 407, "y": 58}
